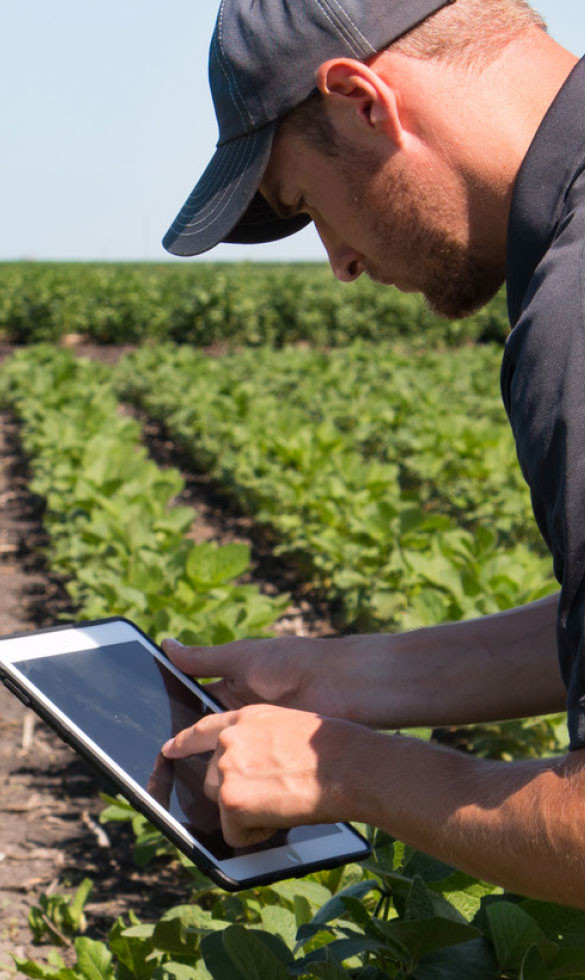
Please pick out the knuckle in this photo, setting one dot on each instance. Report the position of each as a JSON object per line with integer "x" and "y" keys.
{"x": 231, "y": 800}
{"x": 224, "y": 739}
{"x": 250, "y": 712}
{"x": 180, "y": 740}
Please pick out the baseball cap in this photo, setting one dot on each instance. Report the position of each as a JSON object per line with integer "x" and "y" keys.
{"x": 262, "y": 63}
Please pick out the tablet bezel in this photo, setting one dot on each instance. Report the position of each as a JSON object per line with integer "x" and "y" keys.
{"x": 235, "y": 873}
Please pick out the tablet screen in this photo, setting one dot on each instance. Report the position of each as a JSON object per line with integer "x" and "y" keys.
{"x": 129, "y": 703}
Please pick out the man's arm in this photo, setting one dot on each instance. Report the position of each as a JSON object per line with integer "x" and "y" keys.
{"x": 496, "y": 667}
{"x": 519, "y": 825}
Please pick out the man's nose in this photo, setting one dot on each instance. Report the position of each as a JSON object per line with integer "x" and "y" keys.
{"x": 346, "y": 262}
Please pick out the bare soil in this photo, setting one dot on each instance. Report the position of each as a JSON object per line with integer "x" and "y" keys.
{"x": 50, "y": 838}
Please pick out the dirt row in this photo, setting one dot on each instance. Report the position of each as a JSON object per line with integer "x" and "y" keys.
{"x": 50, "y": 838}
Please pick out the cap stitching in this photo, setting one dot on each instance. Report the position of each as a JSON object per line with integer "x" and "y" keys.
{"x": 193, "y": 216}
{"x": 231, "y": 80}
{"x": 340, "y": 29}
{"x": 214, "y": 193}
{"x": 219, "y": 204}
{"x": 354, "y": 25}
{"x": 210, "y": 182}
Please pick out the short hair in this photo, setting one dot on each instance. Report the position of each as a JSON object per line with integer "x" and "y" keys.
{"x": 470, "y": 32}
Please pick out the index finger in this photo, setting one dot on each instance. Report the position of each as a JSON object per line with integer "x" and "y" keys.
{"x": 202, "y": 661}
{"x": 201, "y": 737}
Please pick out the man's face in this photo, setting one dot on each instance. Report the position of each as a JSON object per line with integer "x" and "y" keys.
{"x": 402, "y": 221}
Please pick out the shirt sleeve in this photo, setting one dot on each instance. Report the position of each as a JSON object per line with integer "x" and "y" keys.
{"x": 543, "y": 387}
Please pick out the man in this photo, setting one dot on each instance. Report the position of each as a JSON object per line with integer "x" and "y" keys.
{"x": 439, "y": 146}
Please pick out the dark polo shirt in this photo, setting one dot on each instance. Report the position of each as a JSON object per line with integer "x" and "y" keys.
{"x": 543, "y": 370}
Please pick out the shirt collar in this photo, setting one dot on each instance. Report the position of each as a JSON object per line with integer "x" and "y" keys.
{"x": 556, "y": 153}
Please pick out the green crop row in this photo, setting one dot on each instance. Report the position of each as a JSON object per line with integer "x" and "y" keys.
{"x": 114, "y": 538}
{"x": 402, "y": 914}
{"x": 203, "y": 304}
{"x": 390, "y": 480}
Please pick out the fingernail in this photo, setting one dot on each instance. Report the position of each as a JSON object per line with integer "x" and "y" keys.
{"x": 167, "y": 746}
{"x": 170, "y": 640}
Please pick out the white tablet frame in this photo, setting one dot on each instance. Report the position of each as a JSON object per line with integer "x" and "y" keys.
{"x": 233, "y": 873}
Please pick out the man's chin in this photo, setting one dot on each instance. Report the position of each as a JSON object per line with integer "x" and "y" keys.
{"x": 457, "y": 305}
{"x": 454, "y": 293}
{"x": 464, "y": 289}
{"x": 447, "y": 304}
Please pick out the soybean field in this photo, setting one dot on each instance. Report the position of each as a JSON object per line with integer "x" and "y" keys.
{"x": 379, "y": 470}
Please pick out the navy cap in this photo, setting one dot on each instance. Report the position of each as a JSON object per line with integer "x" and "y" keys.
{"x": 262, "y": 63}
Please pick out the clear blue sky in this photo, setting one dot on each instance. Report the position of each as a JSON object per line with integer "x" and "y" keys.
{"x": 108, "y": 123}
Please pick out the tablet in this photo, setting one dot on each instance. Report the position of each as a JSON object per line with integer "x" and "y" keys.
{"x": 110, "y": 692}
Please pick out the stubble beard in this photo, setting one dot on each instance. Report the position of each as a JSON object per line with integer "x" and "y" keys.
{"x": 455, "y": 284}
{"x": 408, "y": 222}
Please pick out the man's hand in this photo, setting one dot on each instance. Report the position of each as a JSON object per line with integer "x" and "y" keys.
{"x": 289, "y": 671}
{"x": 488, "y": 669}
{"x": 516, "y": 824}
{"x": 273, "y": 768}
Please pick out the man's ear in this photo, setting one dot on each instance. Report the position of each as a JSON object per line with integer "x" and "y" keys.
{"x": 354, "y": 87}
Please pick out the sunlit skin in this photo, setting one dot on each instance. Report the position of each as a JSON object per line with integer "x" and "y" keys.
{"x": 419, "y": 249}
{"x": 419, "y": 195}
{"x": 426, "y": 188}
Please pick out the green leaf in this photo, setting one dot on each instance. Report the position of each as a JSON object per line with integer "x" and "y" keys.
{"x": 288, "y": 890}
{"x": 281, "y": 922}
{"x": 236, "y": 954}
{"x": 80, "y": 898}
{"x": 177, "y": 931}
{"x": 148, "y": 846}
{"x": 533, "y": 966}
{"x": 422, "y": 903}
{"x": 419, "y": 903}
{"x": 209, "y": 566}
{"x": 329, "y": 971}
{"x": 467, "y": 902}
{"x": 335, "y": 908}
{"x": 36, "y": 970}
{"x": 94, "y": 960}
{"x": 322, "y": 964}
{"x": 569, "y": 963}
{"x": 371, "y": 973}
{"x": 426, "y": 867}
{"x": 513, "y": 932}
{"x": 302, "y": 910}
{"x": 143, "y": 930}
{"x": 180, "y": 971}
{"x": 473, "y": 960}
{"x": 564, "y": 925}
{"x": 55, "y": 959}
{"x": 422, "y": 936}
{"x": 275, "y": 945}
{"x": 354, "y": 945}
{"x": 132, "y": 947}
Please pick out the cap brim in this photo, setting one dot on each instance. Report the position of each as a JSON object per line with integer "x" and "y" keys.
{"x": 261, "y": 224}
{"x": 225, "y": 207}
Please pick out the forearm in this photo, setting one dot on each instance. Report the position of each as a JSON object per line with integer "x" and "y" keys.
{"x": 519, "y": 825}
{"x": 496, "y": 667}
